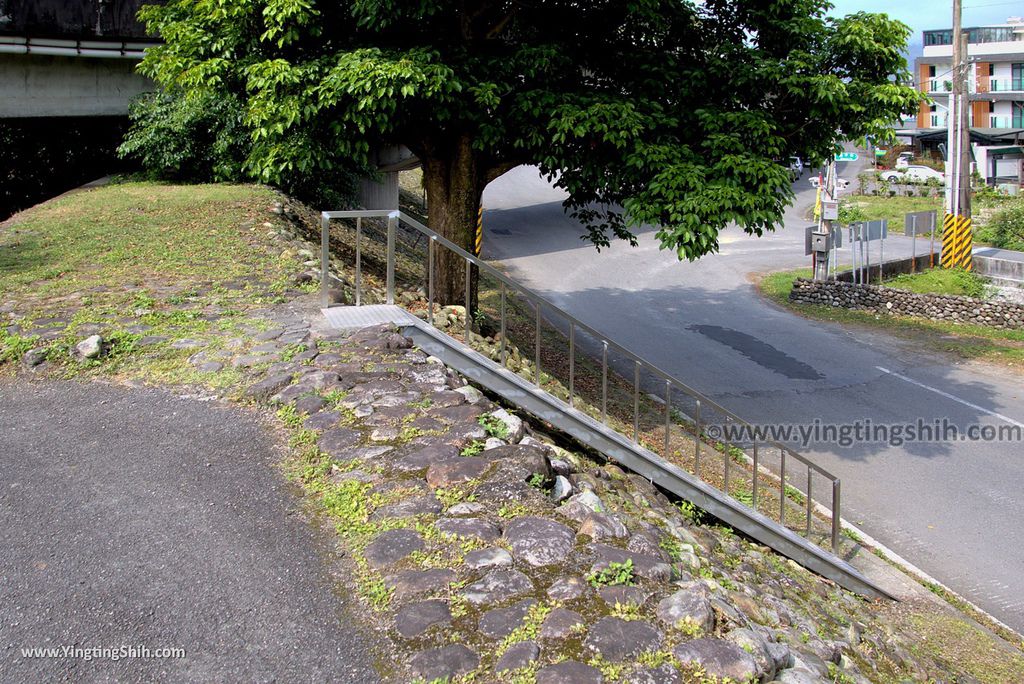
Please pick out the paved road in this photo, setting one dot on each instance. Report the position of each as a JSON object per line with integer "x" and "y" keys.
{"x": 952, "y": 509}
{"x": 138, "y": 518}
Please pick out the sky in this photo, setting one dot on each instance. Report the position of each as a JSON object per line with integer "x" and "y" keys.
{"x": 934, "y": 14}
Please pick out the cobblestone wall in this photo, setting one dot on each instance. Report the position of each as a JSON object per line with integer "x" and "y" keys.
{"x": 996, "y": 314}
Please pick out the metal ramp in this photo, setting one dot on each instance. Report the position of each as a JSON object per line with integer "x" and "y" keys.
{"x": 359, "y": 317}
{"x": 630, "y": 453}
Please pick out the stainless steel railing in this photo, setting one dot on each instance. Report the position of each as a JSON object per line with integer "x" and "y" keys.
{"x": 672, "y": 387}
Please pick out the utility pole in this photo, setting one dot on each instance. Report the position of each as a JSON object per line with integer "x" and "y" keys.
{"x": 965, "y": 129}
{"x": 953, "y": 114}
{"x": 957, "y": 236}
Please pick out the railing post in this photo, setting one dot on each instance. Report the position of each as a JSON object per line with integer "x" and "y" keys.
{"x": 392, "y": 226}
{"x": 726, "y": 457}
{"x": 753, "y": 495}
{"x": 359, "y": 261}
{"x": 668, "y": 418}
{"x": 325, "y": 261}
{"x": 810, "y": 479}
{"x": 636, "y": 402}
{"x": 836, "y": 516}
{"x": 536, "y": 349}
{"x": 430, "y": 280}
{"x": 469, "y": 295}
{"x": 604, "y": 381}
{"x": 782, "y": 490}
{"x": 696, "y": 441}
{"x": 503, "y": 332}
{"x": 572, "y": 360}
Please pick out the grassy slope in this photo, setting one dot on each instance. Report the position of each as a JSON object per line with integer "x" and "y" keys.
{"x": 139, "y": 253}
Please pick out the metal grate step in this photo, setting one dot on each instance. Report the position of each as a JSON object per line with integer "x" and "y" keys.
{"x": 358, "y": 317}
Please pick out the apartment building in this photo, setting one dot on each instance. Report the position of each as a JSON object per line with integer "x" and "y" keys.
{"x": 995, "y": 75}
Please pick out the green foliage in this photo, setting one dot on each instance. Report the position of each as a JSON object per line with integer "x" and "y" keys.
{"x": 199, "y": 138}
{"x": 202, "y": 136}
{"x": 536, "y": 480}
{"x": 945, "y": 281}
{"x": 474, "y": 89}
{"x": 615, "y": 575}
{"x": 13, "y": 347}
{"x": 494, "y": 427}
{"x": 692, "y": 514}
{"x": 512, "y": 510}
{"x": 472, "y": 449}
{"x": 1007, "y": 227}
{"x": 672, "y": 546}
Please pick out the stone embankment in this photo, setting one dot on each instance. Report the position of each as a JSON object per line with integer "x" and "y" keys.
{"x": 887, "y": 300}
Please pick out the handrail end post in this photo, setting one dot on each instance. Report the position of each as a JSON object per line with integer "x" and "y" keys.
{"x": 325, "y": 260}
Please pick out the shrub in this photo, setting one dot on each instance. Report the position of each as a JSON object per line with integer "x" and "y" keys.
{"x": 204, "y": 139}
{"x": 1007, "y": 227}
{"x": 187, "y": 139}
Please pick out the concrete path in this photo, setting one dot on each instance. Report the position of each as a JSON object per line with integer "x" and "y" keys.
{"x": 136, "y": 518}
{"x": 953, "y": 509}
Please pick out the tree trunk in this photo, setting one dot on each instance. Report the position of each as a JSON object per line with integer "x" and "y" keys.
{"x": 454, "y": 185}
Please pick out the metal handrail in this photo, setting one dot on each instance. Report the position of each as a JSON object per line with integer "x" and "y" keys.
{"x": 538, "y": 302}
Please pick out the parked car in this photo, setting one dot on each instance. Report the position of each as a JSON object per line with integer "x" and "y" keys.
{"x": 914, "y": 173}
{"x": 904, "y": 159}
{"x": 796, "y": 167}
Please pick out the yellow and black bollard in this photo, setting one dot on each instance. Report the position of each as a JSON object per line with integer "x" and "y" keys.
{"x": 965, "y": 244}
{"x": 479, "y": 242}
{"x": 948, "y": 259}
{"x": 957, "y": 242}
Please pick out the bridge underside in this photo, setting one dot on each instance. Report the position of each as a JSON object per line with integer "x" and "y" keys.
{"x": 36, "y": 86}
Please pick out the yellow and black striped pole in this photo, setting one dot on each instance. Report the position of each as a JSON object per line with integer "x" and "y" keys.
{"x": 957, "y": 242}
{"x": 478, "y": 244}
{"x": 948, "y": 259}
{"x": 965, "y": 244}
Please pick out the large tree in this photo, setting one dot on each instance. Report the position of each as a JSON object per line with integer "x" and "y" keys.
{"x": 674, "y": 113}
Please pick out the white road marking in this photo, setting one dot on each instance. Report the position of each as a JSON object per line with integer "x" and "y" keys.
{"x": 1000, "y": 416}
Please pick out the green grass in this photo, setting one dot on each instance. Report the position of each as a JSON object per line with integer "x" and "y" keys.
{"x": 124, "y": 233}
{"x": 892, "y": 208}
{"x": 965, "y": 341}
{"x": 941, "y": 281}
{"x": 147, "y": 254}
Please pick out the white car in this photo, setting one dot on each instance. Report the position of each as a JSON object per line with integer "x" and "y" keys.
{"x": 914, "y": 173}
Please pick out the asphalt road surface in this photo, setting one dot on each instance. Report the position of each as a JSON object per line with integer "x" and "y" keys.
{"x": 951, "y": 508}
{"x": 133, "y": 518}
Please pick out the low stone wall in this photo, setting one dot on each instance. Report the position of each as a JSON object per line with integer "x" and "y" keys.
{"x": 893, "y": 267}
{"x": 996, "y": 314}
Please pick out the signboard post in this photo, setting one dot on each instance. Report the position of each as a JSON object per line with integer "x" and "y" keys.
{"x": 861, "y": 235}
{"x": 846, "y": 157}
{"x": 919, "y": 222}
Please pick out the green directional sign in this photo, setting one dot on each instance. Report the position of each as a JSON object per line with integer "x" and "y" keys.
{"x": 846, "y": 156}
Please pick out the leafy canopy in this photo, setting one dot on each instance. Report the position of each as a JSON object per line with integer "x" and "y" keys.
{"x": 672, "y": 113}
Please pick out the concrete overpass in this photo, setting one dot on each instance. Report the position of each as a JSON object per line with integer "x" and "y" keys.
{"x": 70, "y": 58}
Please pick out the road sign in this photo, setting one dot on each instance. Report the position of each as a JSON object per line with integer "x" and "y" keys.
{"x": 846, "y": 156}
{"x": 869, "y": 230}
{"x": 918, "y": 223}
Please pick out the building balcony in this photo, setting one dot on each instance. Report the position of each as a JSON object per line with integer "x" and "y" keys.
{"x": 1006, "y": 85}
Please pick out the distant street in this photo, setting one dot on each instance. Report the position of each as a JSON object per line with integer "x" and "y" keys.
{"x": 952, "y": 509}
